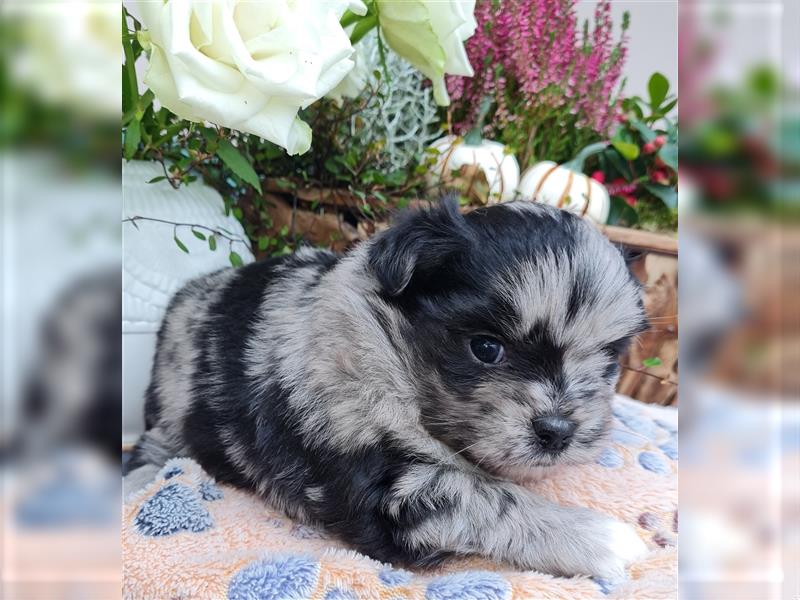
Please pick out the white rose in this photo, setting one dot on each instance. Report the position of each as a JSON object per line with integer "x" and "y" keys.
{"x": 430, "y": 34}
{"x": 248, "y": 65}
{"x": 356, "y": 80}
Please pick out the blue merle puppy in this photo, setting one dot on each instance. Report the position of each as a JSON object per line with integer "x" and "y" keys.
{"x": 394, "y": 395}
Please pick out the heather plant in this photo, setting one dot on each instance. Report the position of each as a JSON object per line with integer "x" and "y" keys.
{"x": 554, "y": 90}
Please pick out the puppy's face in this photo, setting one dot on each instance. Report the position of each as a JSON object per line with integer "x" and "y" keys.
{"x": 516, "y": 316}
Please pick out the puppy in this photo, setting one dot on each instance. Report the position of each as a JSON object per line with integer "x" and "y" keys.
{"x": 388, "y": 394}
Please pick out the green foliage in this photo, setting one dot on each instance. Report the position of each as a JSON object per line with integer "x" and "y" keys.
{"x": 235, "y": 259}
{"x": 658, "y": 87}
{"x": 649, "y": 363}
{"x": 628, "y": 150}
{"x": 180, "y": 244}
{"x": 744, "y": 154}
{"x": 238, "y": 163}
{"x": 640, "y": 167}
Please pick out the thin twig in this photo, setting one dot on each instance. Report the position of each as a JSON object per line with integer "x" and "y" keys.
{"x": 217, "y": 232}
{"x": 663, "y": 380}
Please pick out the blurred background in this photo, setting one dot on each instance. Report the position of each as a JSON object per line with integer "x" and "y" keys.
{"x": 738, "y": 70}
{"x": 739, "y": 77}
{"x": 60, "y": 297}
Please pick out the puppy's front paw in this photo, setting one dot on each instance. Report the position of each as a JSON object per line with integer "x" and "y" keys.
{"x": 588, "y": 543}
{"x": 619, "y": 545}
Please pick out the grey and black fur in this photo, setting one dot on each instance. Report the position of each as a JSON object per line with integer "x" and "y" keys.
{"x": 347, "y": 392}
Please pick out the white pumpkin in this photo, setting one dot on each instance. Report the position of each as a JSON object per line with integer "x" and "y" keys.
{"x": 560, "y": 186}
{"x": 497, "y": 164}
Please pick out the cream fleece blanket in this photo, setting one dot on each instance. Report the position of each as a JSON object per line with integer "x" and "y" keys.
{"x": 186, "y": 537}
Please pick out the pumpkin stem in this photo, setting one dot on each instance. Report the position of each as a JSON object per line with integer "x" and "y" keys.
{"x": 576, "y": 164}
{"x": 473, "y": 137}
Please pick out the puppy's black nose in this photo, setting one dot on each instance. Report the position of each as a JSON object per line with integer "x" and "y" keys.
{"x": 554, "y": 433}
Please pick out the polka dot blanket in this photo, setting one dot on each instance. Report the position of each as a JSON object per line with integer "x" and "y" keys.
{"x": 186, "y": 537}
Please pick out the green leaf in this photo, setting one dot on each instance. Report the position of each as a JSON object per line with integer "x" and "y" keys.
{"x": 144, "y": 103}
{"x": 764, "y": 81}
{"x": 332, "y": 165}
{"x": 237, "y": 163}
{"x": 658, "y": 87}
{"x": 348, "y": 18}
{"x": 131, "y": 88}
{"x": 666, "y": 193}
{"x": 669, "y": 106}
{"x": 648, "y": 134}
{"x": 128, "y": 97}
{"x": 668, "y": 153}
{"x": 235, "y": 259}
{"x": 619, "y": 165}
{"x": 198, "y": 235}
{"x": 628, "y": 150}
{"x": 133, "y": 135}
{"x": 649, "y": 363}
{"x": 180, "y": 244}
{"x": 157, "y": 179}
{"x": 621, "y": 213}
{"x": 363, "y": 27}
{"x": 212, "y": 242}
{"x": 263, "y": 243}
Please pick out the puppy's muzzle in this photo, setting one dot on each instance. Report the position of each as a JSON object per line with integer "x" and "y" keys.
{"x": 553, "y": 433}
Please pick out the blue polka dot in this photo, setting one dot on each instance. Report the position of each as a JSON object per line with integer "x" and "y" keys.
{"x": 474, "y": 585}
{"x": 642, "y": 426}
{"x": 666, "y": 425}
{"x": 286, "y": 578}
{"x": 171, "y": 509}
{"x": 610, "y": 458}
{"x": 340, "y": 594}
{"x": 172, "y": 472}
{"x": 392, "y": 577}
{"x": 670, "y": 448}
{"x": 627, "y": 438}
{"x": 653, "y": 462}
{"x": 623, "y": 411}
{"x": 209, "y": 492}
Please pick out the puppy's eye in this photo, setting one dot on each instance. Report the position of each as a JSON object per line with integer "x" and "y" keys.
{"x": 487, "y": 349}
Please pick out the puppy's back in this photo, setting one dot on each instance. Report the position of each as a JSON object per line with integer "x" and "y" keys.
{"x": 199, "y": 355}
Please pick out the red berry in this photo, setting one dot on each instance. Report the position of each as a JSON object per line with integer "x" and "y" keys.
{"x": 659, "y": 176}
{"x": 660, "y": 141}
{"x": 649, "y": 148}
{"x": 599, "y": 176}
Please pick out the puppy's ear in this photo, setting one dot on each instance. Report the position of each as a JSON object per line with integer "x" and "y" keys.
{"x": 419, "y": 241}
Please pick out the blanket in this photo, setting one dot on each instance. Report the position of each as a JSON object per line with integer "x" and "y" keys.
{"x": 187, "y": 537}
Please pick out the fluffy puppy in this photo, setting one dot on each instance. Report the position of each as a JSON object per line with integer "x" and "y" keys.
{"x": 386, "y": 395}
